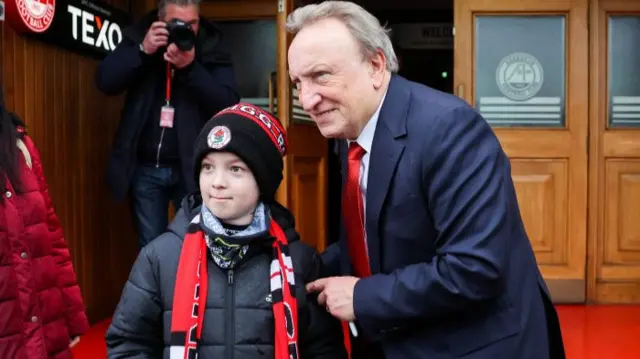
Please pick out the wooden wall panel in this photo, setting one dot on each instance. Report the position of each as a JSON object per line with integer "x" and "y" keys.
{"x": 73, "y": 125}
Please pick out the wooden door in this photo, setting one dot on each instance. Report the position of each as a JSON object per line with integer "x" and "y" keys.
{"x": 307, "y": 172}
{"x": 523, "y": 65}
{"x": 304, "y": 189}
{"x": 614, "y": 193}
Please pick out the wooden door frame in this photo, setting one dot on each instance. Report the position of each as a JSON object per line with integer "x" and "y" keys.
{"x": 595, "y": 111}
{"x": 283, "y": 87}
{"x": 239, "y": 10}
{"x": 599, "y": 151}
{"x": 221, "y": 10}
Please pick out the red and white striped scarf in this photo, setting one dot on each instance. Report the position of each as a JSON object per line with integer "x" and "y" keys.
{"x": 191, "y": 288}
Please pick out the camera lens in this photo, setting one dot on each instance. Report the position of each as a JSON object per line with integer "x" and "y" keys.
{"x": 180, "y": 33}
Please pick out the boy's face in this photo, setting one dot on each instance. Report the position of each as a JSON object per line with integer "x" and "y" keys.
{"x": 228, "y": 188}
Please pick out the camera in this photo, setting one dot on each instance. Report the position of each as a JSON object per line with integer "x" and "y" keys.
{"x": 180, "y": 33}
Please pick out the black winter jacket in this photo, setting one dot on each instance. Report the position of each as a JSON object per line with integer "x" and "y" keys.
{"x": 238, "y": 322}
{"x": 198, "y": 92}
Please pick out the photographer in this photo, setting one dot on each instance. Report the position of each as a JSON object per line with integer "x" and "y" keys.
{"x": 177, "y": 77}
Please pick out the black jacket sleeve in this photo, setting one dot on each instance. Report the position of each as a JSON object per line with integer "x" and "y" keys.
{"x": 136, "y": 329}
{"x": 117, "y": 71}
{"x": 212, "y": 84}
{"x": 323, "y": 337}
{"x": 331, "y": 261}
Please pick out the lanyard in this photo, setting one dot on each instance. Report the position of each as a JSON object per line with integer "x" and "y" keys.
{"x": 169, "y": 76}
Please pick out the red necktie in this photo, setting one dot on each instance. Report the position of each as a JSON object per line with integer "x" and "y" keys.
{"x": 353, "y": 213}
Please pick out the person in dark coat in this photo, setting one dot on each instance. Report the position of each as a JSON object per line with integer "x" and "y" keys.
{"x": 42, "y": 313}
{"x": 170, "y": 94}
{"x": 434, "y": 261}
{"x": 227, "y": 279}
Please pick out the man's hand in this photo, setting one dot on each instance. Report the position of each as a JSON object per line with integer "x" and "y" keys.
{"x": 180, "y": 59}
{"x": 74, "y": 342}
{"x": 336, "y": 294}
{"x": 156, "y": 37}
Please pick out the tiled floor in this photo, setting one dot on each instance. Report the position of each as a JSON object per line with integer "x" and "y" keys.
{"x": 590, "y": 332}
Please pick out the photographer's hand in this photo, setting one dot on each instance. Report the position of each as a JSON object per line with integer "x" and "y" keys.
{"x": 156, "y": 37}
{"x": 180, "y": 59}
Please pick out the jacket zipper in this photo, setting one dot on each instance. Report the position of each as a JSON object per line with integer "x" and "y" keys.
{"x": 230, "y": 307}
{"x": 161, "y": 135}
{"x": 159, "y": 148}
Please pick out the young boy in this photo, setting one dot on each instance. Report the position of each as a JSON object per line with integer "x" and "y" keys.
{"x": 213, "y": 284}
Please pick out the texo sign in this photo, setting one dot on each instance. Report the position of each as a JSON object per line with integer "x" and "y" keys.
{"x": 87, "y": 27}
{"x": 96, "y": 31}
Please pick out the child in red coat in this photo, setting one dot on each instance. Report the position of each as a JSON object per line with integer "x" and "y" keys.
{"x": 41, "y": 308}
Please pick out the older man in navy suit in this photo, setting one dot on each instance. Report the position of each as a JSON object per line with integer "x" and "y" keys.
{"x": 434, "y": 261}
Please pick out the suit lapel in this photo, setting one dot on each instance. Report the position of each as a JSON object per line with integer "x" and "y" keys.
{"x": 385, "y": 154}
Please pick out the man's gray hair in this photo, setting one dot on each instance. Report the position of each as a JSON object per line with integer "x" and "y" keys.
{"x": 162, "y": 5}
{"x": 367, "y": 30}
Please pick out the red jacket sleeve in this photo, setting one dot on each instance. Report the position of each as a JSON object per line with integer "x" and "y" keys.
{"x": 76, "y": 318}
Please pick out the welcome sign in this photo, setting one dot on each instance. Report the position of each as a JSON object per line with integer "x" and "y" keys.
{"x": 86, "y": 27}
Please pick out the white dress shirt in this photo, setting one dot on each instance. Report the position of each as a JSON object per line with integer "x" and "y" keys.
{"x": 365, "y": 140}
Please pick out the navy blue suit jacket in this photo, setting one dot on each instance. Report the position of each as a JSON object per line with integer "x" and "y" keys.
{"x": 454, "y": 274}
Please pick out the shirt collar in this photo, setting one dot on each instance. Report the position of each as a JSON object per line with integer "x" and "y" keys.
{"x": 365, "y": 139}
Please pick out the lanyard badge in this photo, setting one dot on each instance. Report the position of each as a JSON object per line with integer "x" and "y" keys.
{"x": 167, "y": 111}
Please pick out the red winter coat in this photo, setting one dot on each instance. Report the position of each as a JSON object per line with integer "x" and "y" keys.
{"x": 41, "y": 306}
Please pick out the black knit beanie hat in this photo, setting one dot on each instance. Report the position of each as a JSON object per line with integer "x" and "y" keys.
{"x": 254, "y": 135}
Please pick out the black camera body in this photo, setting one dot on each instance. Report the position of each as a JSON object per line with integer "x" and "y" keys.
{"x": 181, "y": 34}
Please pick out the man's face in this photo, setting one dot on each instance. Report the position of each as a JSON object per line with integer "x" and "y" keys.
{"x": 188, "y": 14}
{"x": 228, "y": 188}
{"x": 336, "y": 83}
